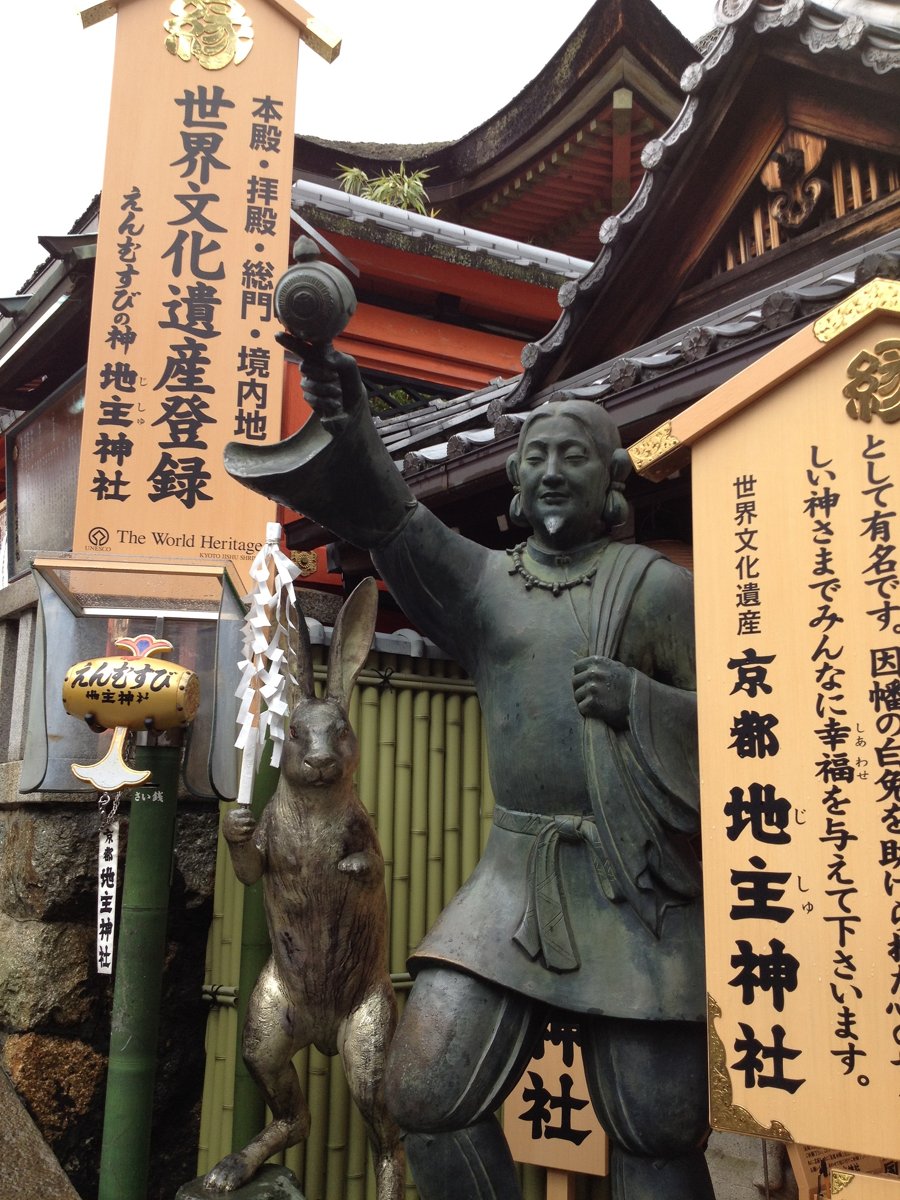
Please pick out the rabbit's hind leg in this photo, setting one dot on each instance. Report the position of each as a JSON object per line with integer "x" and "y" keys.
{"x": 269, "y": 1042}
{"x": 363, "y": 1042}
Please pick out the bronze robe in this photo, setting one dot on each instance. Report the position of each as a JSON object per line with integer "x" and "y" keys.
{"x": 588, "y": 894}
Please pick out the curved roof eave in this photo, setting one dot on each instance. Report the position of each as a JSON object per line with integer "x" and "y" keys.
{"x": 655, "y": 51}
{"x": 818, "y": 27}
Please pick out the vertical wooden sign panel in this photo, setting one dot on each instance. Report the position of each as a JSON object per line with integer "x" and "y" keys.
{"x": 797, "y": 568}
{"x": 548, "y": 1119}
{"x": 194, "y": 231}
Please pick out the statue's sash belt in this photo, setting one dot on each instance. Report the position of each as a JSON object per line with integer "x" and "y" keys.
{"x": 545, "y": 928}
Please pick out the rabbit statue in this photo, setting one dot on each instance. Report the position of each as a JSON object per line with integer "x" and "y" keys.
{"x": 326, "y": 983}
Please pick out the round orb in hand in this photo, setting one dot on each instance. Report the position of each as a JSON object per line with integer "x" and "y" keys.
{"x": 313, "y": 300}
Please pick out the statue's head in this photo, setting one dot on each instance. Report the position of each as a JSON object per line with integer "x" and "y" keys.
{"x": 568, "y": 471}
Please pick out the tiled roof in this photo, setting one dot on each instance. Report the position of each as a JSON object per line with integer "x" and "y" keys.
{"x": 818, "y": 27}
{"x": 434, "y": 230}
{"x": 446, "y": 430}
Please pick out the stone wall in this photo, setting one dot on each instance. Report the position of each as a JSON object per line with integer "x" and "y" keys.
{"x": 739, "y": 1171}
{"x": 54, "y": 1008}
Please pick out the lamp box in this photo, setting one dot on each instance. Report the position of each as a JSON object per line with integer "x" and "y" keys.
{"x": 85, "y": 605}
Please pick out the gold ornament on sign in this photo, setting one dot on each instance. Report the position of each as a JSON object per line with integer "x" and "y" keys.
{"x": 656, "y": 445}
{"x": 878, "y": 294}
{"x": 214, "y": 32}
{"x": 726, "y": 1114}
{"x": 873, "y": 387}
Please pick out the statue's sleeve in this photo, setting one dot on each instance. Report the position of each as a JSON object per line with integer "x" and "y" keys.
{"x": 643, "y": 780}
{"x": 664, "y": 741}
{"x": 341, "y": 475}
{"x": 434, "y": 574}
{"x": 663, "y": 723}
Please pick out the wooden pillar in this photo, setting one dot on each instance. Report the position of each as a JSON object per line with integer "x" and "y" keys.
{"x": 623, "y": 104}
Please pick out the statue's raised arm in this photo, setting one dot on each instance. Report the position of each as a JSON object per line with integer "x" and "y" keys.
{"x": 336, "y": 470}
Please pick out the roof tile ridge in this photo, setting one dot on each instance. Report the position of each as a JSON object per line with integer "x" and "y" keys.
{"x": 736, "y": 20}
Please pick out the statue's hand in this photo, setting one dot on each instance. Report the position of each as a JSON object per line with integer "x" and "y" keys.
{"x": 239, "y": 825}
{"x": 603, "y": 690}
{"x": 331, "y": 380}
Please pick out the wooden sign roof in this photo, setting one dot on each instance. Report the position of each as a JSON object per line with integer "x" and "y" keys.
{"x": 667, "y": 448}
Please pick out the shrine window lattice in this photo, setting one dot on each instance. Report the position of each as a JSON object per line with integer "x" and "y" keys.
{"x": 389, "y": 395}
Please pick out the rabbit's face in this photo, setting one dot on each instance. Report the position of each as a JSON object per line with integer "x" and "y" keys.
{"x": 321, "y": 747}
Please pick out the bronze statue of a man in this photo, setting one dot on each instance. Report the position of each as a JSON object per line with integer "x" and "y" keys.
{"x": 587, "y": 898}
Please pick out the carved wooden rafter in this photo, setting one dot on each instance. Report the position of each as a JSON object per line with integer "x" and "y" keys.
{"x": 789, "y": 177}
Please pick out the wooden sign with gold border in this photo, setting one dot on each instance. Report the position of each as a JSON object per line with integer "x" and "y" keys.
{"x": 856, "y": 1186}
{"x": 194, "y": 232}
{"x": 821, "y": 1174}
{"x": 796, "y": 488}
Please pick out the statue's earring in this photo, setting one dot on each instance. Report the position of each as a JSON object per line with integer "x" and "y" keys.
{"x": 515, "y": 511}
{"x": 515, "y": 505}
{"x": 615, "y": 511}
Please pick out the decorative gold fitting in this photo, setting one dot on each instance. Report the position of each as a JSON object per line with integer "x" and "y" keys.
{"x": 306, "y": 560}
{"x": 655, "y": 446}
{"x": 726, "y": 1114}
{"x": 878, "y": 294}
{"x": 207, "y": 32}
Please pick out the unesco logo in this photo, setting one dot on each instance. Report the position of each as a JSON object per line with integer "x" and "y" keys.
{"x": 98, "y": 537}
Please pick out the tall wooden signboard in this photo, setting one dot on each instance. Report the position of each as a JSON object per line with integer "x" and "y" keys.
{"x": 194, "y": 232}
{"x": 796, "y": 487}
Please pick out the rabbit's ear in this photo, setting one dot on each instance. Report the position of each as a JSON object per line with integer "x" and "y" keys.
{"x": 299, "y": 657}
{"x": 352, "y": 640}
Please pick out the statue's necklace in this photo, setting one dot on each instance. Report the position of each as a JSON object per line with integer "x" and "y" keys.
{"x": 555, "y": 586}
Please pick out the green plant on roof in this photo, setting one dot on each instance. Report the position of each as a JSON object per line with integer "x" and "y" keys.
{"x": 400, "y": 188}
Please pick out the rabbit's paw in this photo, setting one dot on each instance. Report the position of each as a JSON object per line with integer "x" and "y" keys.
{"x": 239, "y": 825}
{"x": 359, "y": 863}
{"x": 232, "y": 1172}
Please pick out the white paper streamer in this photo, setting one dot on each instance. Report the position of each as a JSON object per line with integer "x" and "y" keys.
{"x": 263, "y": 690}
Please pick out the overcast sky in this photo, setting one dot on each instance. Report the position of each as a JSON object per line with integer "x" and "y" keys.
{"x": 409, "y": 71}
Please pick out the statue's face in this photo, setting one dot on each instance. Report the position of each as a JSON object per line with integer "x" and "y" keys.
{"x": 563, "y": 481}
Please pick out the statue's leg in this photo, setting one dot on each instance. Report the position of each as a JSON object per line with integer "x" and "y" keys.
{"x": 460, "y": 1047}
{"x": 648, "y": 1082}
{"x": 270, "y": 1039}
{"x": 363, "y": 1041}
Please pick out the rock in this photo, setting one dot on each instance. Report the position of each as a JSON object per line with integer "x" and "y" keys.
{"x": 45, "y": 974}
{"x": 28, "y": 1166}
{"x": 56, "y": 1010}
{"x": 196, "y": 831}
{"x": 271, "y": 1183}
{"x": 62, "y": 1080}
{"x": 48, "y": 863}
{"x": 736, "y": 1166}
{"x": 58, "y": 1078}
